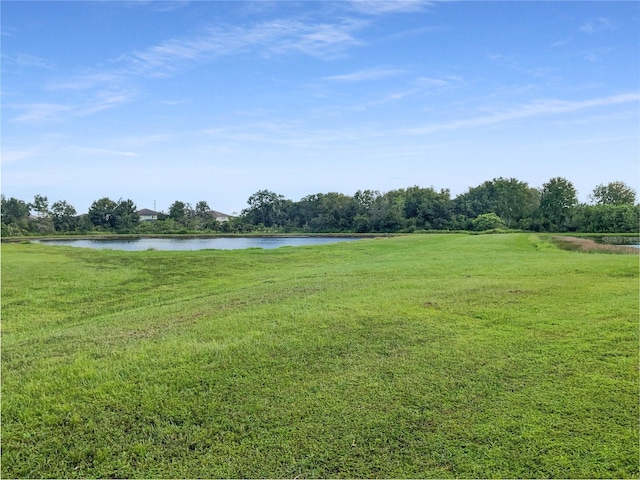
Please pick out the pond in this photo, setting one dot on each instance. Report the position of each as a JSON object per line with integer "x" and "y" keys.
{"x": 218, "y": 243}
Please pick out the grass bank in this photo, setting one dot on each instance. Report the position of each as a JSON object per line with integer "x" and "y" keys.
{"x": 408, "y": 357}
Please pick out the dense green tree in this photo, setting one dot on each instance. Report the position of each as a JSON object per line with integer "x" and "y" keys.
{"x": 126, "y": 217}
{"x": 306, "y": 210}
{"x": 264, "y": 208}
{"x": 365, "y": 200}
{"x": 178, "y": 211}
{"x": 40, "y": 205}
{"x": 182, "y": 213}
{"x": 387, "y": 212}
{"x": 64, "y": 216}
{"x": 606, "y": 218}
{"x": 43, "y": 222}
{"x": 102, "y": 213}
{"x": 510, "y": 199}
{"x": 14, "y": 211}
{"x": 426, "y": 208}
{"x": 613, "y": 193}
{"x": 202, "y": 209}
{"x": 334, "y": 213}
{"x": 110, "y": 215}
{"x": 557, "y": 197}
{"x": 202, "y": 218}
{"x": 15, "y": 216}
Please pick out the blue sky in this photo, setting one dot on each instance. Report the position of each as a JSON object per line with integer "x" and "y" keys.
{"x": 163, "y": 101}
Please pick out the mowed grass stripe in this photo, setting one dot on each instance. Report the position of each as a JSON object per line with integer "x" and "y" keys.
{"x": 417, "y": 356}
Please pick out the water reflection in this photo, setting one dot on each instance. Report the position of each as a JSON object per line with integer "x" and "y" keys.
{"x": 218, "y": 243}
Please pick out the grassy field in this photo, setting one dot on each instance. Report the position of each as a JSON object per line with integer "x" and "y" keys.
{"x": 418, "y": 356}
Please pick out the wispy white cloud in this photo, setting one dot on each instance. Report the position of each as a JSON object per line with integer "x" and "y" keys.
{"x": 101, "y": 90}
{"x": 598, "y": 25}
{"x": 438, "y": 82}
{"x": 381, "y": 7}
{"x": 17, "y": 155}
{"x": 365, "y": 75}
{"x": 597, "y": 55}
{"x": 25, "y": 60}
{"x": 624, "y": 115}
{"x": 155, "y": 5}
{"x": 39, "y": 112}
{"x": 291, "y": 134}
{"x": 563, "y": 42}
{"x": 93, "y": 151}
{"x": 141, "y": 141}
{"x": 103, "y": 100}
{"x": 87, "y": 81}
{"x": 169, "y": 5}
{"x": 418, "y": 86}
{"x": 276, "y": 37}
{"x": 515, "y": 64}
{"x": 322, "y": 40}
{"x": 534, "y": 109}
{"x": 173, "y": 103}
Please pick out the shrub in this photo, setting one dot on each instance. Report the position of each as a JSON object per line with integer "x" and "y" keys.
{"x": 487, "y": 221}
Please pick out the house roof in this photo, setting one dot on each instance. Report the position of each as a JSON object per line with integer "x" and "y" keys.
{"x": 146, "y": 211}
{"x": 218, "y": 214}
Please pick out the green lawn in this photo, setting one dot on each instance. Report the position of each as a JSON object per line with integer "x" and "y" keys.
{"x": 416, "y": 356}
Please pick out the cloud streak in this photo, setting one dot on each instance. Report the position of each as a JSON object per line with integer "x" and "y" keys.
{"x": 101, "y": 151}
{"x": 25, "y": 60}
{"x": 366, "y": 75}
{"x": 109, "y": 88}
{"x": 40, "y": 112}
{"x": 277, "y": 37}
{"x": 598, "y": 25}
{"x": 534, "y": 109}
{"x": 383, "y": 7}
{"x": 14, "y": 156}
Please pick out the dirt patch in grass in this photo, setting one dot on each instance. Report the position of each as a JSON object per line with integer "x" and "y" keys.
{"x": 590, "y": 246}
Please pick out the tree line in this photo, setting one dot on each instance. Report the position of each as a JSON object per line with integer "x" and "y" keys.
{"x": 501, "y": 203}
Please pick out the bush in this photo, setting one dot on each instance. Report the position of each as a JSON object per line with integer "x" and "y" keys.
{"x": 488, "y": 221}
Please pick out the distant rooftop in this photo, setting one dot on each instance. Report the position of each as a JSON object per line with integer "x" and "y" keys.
{"x": 146, "y": 211}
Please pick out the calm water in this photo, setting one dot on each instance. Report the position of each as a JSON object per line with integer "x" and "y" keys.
{"x": 219, "y": 243}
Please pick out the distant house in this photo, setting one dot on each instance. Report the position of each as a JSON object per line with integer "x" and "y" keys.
{"x": 147, "y": 215}
{"x": 219, "y": 216}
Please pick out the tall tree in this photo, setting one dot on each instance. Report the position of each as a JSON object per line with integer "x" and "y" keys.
{"x": 334, "y": 212}
{"x": 110, "y": 215}
{"x": 613, "y": 193}
{"x": 181, "y": 212}
{"x": 510, "y": 199}
{"x": 40, "y": 205}
{"x": 365, "y": 200}
{"x": 64, "y": 216}
{"x": 102, "y": 213}
{"x": 557, "y": 197}
{"x": 127, "y": 219}
{"x": 202, "y": 209}
{"x": 387, "y": 213}
{"x": 264, "y": 207}
{"x": 427, "y": 208}
{"x": 14, "y": 214}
